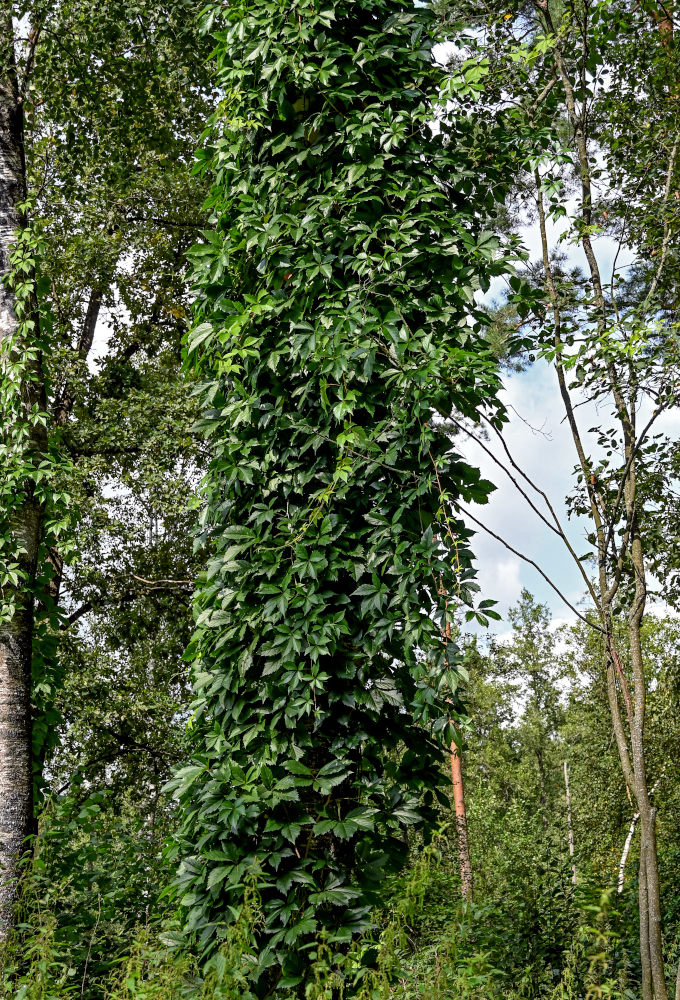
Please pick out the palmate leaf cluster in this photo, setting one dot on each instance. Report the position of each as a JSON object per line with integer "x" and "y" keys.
{"x": 336, "y": 323}
{"x": 33, "y": 471}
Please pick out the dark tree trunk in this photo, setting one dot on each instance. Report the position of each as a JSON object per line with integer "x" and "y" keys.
{"x": 24, "y": 521}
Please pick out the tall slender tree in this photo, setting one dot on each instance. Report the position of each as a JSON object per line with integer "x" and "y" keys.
{"x": 100, "y": 149}
{"x": 607, "y": 330}
{"x": 22, "y": 448}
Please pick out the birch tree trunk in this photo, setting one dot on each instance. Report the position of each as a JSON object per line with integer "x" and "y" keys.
{"x": 570, "y": 828}
{"x": 625, "y": 852}
{"x": 16, "y": 778}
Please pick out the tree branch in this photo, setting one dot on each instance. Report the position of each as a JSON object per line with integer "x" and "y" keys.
{"x": 531, "y": 562}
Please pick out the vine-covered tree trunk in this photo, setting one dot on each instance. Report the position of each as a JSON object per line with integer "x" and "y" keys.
{"x": 21, "y": 524}
{"x": 337, "y": 319}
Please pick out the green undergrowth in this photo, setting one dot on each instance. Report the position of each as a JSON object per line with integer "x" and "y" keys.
{"x": 426, "y": 943}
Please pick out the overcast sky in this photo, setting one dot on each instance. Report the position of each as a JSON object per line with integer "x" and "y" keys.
{"x": 541, "y": 445}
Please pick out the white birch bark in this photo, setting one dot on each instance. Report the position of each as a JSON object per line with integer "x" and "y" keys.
{"x": 570, "y": 828}
{"x": 626, "y": 850}
{"x": 16, "y": 765}
{"x": 629, "y": 840}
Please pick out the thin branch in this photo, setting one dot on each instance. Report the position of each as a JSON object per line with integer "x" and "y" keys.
{"x": 510, "y": 476}
{"x": 620, "y": 244}
{"x": 150, "y": 587}
{"x": 162, "y": 583}
{"x": 666, "y": 227}
{"x": 616, "y": 660}
{"x": 77, "y": 614}
{"x": 66, "y": 401}
{"x": 594, "y": 499}
{"x": 557, "y": 527}
{"x": 618, "y": 556}
{"x": 531, "y": 562}
{"x": 544, "y": 93}
{"x": 34, "y": 38}
{"x": 546, "y": 499}
{"x": 169, "y": 223}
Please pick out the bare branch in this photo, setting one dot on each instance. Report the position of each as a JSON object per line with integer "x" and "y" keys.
{"x": 557, "y": 526}
{"x": 531, "y": 562}
{"x": 666, "y": 227}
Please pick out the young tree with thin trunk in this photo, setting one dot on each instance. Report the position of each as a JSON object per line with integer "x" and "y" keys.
{"x": 570, "y": 826}
{"x": 609, "y": 338}
{"x": 464, "y": 862}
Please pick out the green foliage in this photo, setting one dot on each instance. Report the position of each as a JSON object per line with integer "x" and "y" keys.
{"x": 157, "y": 970}
{"x": 34, "y": 969}
{"x": 337, "y": 321}
{"x": 337, "y": 324}
{"x": 95, "y": 880}
{"x": 92, "y": 910}
{"x": 22, "y": 446}
{"x": 34, "y": 469}
{"x": 29, "y": 465}
{"x": 110, "y": 121}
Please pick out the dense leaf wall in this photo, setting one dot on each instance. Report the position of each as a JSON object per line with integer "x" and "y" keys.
{"x": 337, "y": 325}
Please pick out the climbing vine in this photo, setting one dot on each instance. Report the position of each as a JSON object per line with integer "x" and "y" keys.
{"x": 336, "y": 325}
{"x": 34, "y": 468}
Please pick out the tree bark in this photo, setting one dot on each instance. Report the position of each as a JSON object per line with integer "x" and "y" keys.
{"x": 654, "y": 907}
{"x": 647, "y": 812}
{"x": 66, "y": 398}
{"x": 625, "y": 396}
{"x": 466, "y": 877}
{"x": 644, "y": 924}
{"x": 541, "y": 779}
{"x": 570, "y": 828}
{"x": 625, "y": 852}
{"x": 16, "y": 632}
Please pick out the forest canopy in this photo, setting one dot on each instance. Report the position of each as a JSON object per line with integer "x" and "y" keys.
{"x": 280, "y": 285}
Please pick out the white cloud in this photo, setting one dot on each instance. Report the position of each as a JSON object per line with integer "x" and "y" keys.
{"x": 507, "y": 580}
{"x": 540, "y": 442}
{"x": 541, "y": 446}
